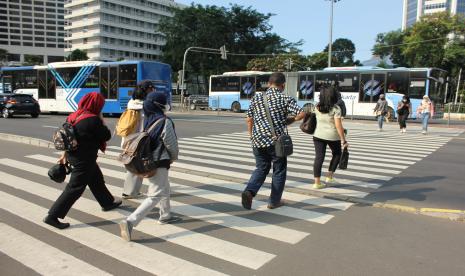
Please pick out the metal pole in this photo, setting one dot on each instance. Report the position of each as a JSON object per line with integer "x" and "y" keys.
{"x": 458, "y": 86}
{"x": 352, "y": 117}
{"x": 217, "y": 105}
{"x": 447, "y": 90}
{"x": 330, "y": 34}
{"x": 448, "y": 117}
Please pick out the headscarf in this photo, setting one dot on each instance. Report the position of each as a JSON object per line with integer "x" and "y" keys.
{"x": 89, "y": 106}
{"x": 154, "y": 106}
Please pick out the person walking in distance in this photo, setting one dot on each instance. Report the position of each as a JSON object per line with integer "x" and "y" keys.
{"x": 280, "y": 106}
{"x": 329, "y": 132}
{"x": 380, "y": 111}
{"x": 404, "y": 108}
{"x": 426, "y": 110}
{"x": 133, "y": 183}
{"x": 91, "y": 134}
{"x": 165, "y": 151}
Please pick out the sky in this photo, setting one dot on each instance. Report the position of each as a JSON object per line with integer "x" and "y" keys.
{"x": 358, "y": 20}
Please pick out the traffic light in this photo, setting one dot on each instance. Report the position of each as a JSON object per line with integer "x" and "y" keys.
{"x": 223, "y": 52}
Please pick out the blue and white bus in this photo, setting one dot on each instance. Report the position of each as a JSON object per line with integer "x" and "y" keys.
{"x": 360, "y": 87}
{"x": 59, "y": 86}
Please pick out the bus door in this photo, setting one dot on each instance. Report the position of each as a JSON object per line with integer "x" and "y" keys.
{"x": 109, "y": 82}
{"x": 6, "y": 83}
{"x": 371, "y": 86}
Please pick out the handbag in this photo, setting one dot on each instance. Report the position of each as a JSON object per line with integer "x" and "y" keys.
{"x": 283, "y": 144}
{"x": 344, "y": 162}
{"x": 59, "y": 171}
{"x": 309, "y": 123}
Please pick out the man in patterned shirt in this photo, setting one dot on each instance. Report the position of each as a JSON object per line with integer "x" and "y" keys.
{"x": 263, "y": 142}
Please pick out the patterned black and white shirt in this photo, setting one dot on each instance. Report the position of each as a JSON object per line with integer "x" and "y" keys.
{"x": 280, "y": 107}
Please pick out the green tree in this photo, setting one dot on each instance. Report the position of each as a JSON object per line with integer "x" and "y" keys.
{"x": 76, "y": 55}
{"x": 279, "y": 63}
{"x": 318, "y": 61}
{"x": 390, "y": 45}
{"x": 3, "y": 55}
{"x": 343, "y": 51}
{"x": 33, "y": 60}
{"x": 242, "y": 29}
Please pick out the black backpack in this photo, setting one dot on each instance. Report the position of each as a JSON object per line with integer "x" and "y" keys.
{"x": 309, "y": 123}
{"x": 137, "y": 155}
{"x": 65, "y": 138}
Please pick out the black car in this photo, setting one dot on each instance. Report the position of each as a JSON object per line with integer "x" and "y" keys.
{"x": 18, "y": 104}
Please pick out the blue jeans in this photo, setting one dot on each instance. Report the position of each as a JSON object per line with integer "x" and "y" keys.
{"x": 264, "y": 157}
{"x": 380, "y": 121}
{"x": 424, "y": 120}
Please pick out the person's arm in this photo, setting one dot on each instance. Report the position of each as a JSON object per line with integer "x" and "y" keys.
{"x": 340, "y": 131}
{"x": 102, "y": 132}
{"x": 376, "y": 108}
{"x": 63, "y": 158}
{"x": 295, "y": 109}
{"x": 170, "y": 140}
{"x": 249, "y": 126}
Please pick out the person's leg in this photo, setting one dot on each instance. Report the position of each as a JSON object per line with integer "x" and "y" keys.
{"x": 98, "y": 188}
{"x": 263, "y": 166}
{"x": 76, "y": 186}
{"x": 162, "y": 190}
{"x": 380, "y": 122}
{"x": 279, "y": 178}
{"x": 336, "y": 151}
{"x": 320, "y": 151}
{"x": 132, "y": 184}
{"x": 425, "y": 119}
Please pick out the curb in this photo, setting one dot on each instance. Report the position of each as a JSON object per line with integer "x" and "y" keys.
{"x": 451, "y": 214}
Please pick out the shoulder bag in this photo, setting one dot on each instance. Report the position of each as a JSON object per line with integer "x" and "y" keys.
{"x": 283, "y": 144}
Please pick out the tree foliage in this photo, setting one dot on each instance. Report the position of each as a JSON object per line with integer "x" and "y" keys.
{"x": 343, "y": 51}
{"x": 76, "y": 55}
{"x": 389, "y": 45}
{"x": 33, "y": 60}
{"x": 242, "y": 29}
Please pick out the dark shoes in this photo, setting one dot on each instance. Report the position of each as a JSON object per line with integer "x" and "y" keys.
{"x": 139, "y": 195}
{"x": 55, "y": 222}
{"x": 112, "y": 206}
{"x": 247, "y": 199}
{"x": 277, "y": 205}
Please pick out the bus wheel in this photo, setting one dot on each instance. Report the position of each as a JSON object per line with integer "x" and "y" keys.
{"x": 236, "y": 107}
{"x": 390, "y": 116}
{"x": 193, "y": 106}
{"x": 308, "y": 107}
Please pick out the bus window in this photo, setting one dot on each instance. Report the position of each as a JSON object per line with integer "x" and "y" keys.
{"x": 417, "y": 87}
{"x": 67, "y": 74}
{"x": 92, "y": 79}
{"x": 225, "y": 84}
{"x": 348, "y": 82}
{"x": 247, "y": 87}
{"x": 306, "y": 87}
{"x": 371, "y": 86}
{"x": 128, "y": 75}
{"x": 262, "y": 83}
{"x": 436, "y": 89}
{"x": 42, "y": 80}
{"x": 325, "y": 79}
{"x": 50, "y": 86}
{"x": 397, "y": 82}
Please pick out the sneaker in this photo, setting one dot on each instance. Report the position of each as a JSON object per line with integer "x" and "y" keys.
{"x": 126, "y": 230}
{"x": 423, "y": 132}
{"x": 112, "y": 206}
{"x": 319, "y": 186}
{"x": 247, "y": 200}
{"x": 169, "y": 220}
{"x": 55, "y": 222}
{"x": 330, "y": 180}
{"x": 404, "y": 130}
{"x": 125, "y": 196}
{"x": 274, "y": 206}
{"x": 380, "y": 129}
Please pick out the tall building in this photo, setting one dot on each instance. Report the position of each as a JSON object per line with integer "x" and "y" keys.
{"x": 32, "y": 29}
{"x": 117, "y": 29}
{"x": 414, "y": 9}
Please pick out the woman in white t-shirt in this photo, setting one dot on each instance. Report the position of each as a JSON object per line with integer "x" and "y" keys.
{"x": 329, "y": 132}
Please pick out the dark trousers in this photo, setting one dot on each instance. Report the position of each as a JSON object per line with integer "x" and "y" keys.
{"x": 403, "y": 121}
{"x": 264, "y": 157}
{"x": 320, "y": 152}
{"x": 84, "y": 173}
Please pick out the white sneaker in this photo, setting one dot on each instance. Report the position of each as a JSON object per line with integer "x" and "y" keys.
{"x": 423, "y": 132}
{"x": 380, "y": 129}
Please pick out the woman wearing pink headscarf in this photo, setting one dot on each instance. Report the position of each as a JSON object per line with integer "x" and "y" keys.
{"x": 426, "y": 111}
{"x": 91, "y": 134}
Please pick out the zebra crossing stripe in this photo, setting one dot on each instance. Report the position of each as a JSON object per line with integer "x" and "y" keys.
{"x": 221, "y": 249}
{"x": 140, "y": 256}
{"x": 307, "y": 215}
{"x": 41, "y": 257}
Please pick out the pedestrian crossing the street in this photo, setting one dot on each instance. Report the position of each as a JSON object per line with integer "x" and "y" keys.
{"x": 217, "y": 236}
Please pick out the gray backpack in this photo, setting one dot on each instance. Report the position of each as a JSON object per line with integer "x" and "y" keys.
{"x": 137, "y": 155}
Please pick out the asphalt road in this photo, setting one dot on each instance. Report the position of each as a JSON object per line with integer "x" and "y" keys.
{"x": 342, "y": 239}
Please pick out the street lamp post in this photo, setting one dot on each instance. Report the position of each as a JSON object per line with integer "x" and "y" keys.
{"x": 331, "y": 32}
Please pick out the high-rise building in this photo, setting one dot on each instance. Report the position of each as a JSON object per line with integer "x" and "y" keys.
{"x": 32, "y": 30}
{"x": 414, "y": 9}
{"x": 117, "y": 29}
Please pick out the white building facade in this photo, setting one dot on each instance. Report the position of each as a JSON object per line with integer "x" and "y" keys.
{"x": 117, "y": 29}
{"x": 32, "y": 28}
{"x": 414, "y": 9}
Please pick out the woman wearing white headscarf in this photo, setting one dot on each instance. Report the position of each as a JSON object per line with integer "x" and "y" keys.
{"x": 426, "y": 110}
